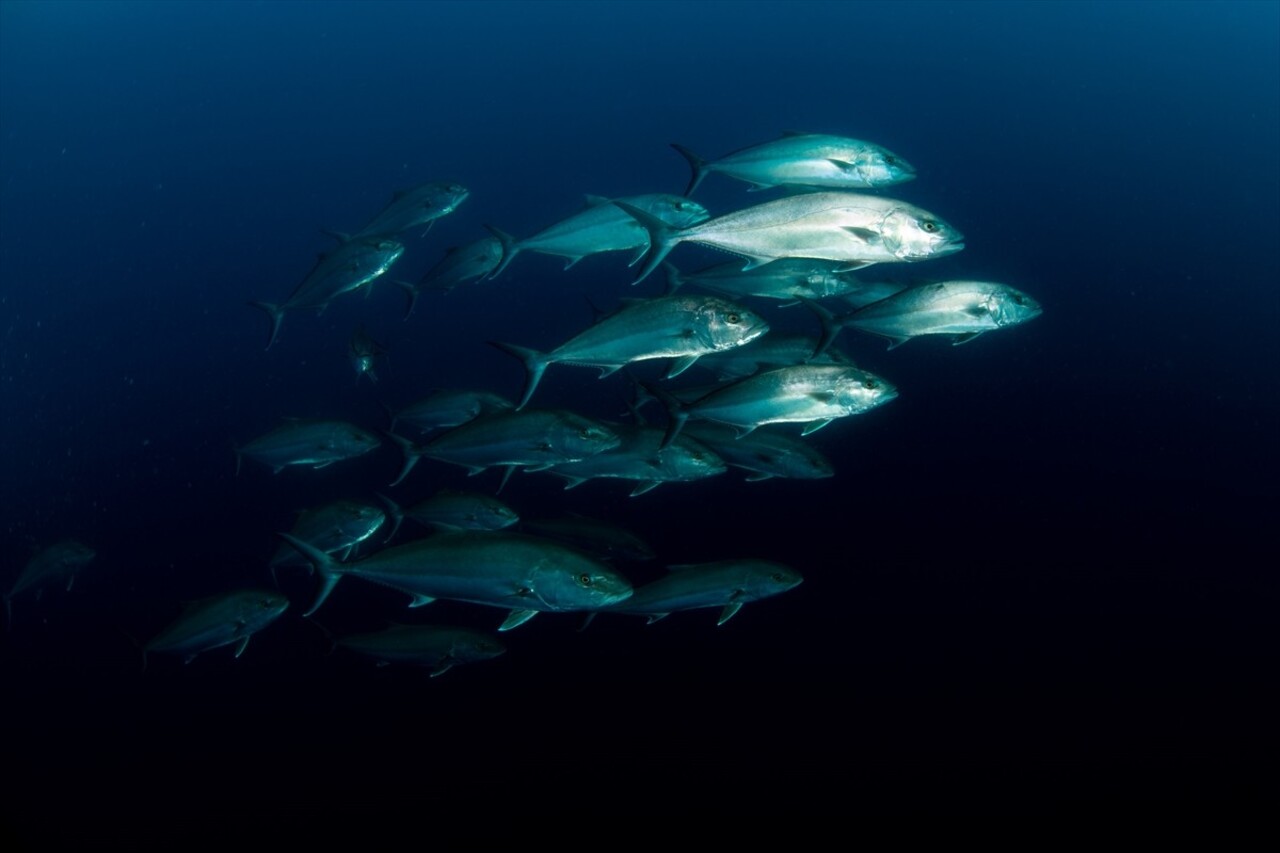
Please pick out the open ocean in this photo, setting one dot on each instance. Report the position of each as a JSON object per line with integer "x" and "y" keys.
{"x": 1041, "y": 578}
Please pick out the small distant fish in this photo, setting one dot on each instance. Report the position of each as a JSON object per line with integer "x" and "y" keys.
{"x": 680, "y": 327}
{"x": 597, "y": 536}
{"x": 220, "y": 620}
{"x": 439, "y": 648}
{"x": 348, "y": 267}
{"x": 460, "y": 264}
{"x": 726, "y": 584}
{"x": 446, "y": 408}
{"x": 315, "y": 444}
{"x": 962, "y": 310}
{"x": 364, "y": 352}
{"x": 599, "y": 228}
{"x": 335, "y": 528}
{"x": 412, "y": 208}
{"x": 59, "y": 563}
{"x": 644, "y": 459}
{"x": 805, "y": 160}
{"x": 762, "y": 453}
{"x": 857, "y": 229}
{"x": 453, "y": 510}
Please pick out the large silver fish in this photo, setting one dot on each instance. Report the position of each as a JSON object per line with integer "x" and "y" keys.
{"x": 527, "y": 438}
{"x": 763, "y": 454}
{"x": 422, "y": 205}
{"x": 314, "y": 444}
{"x": 811, "y": 394}
{"x": 643, "y": 459}
{"x": 805, "y": 160}
{"x": 599, "y": 228}
{"x": 439, "y": 648}
{"x": 855, "y": 228}
{"x": 349, "y": 266}
{"x": 59, "y": 563}
{"x": 523, "y": 574}
{"x": 726, "y": 584}
{"x": 220, "y": 620}
{"x": 960, "y": 309}
{"x": 460, "y": 264}
{"x": 680, "y": 327}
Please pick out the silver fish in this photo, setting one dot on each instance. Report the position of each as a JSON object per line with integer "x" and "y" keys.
{"x": 784, "y": 279}
{"x": 446, "y": 408}
{"x": 599, "y": 228}
{"x": 763, "y": 453}
{"x": 812, "y": 394}
{"x": 439, "y": 648}
{"x": 452, "y": 510}
{"x": 644, "y": 459}
{"x": 348, "y": 267}
{"x": 726, "y": 584}
{"x": 855, "y": 228}
{"x": 335, "y": 528}
{"x": 529, "y": 438}
{"x": 523, "y": 574}
{"x": 680, "y": 327}
{"x": 806, "y": 160}
{"x": 422, "y": 205}
{"x": 960, "y": 309}
{"x": 220, "y": 620}
{"x": 460, "y": 264}
{"x": 772, "y": 350}
{"x": 316, "y": 444}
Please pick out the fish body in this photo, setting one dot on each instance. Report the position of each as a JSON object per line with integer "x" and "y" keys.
{"x": 725, "y": 584}
{"x": 961, "y": 309}
{"x": 643, "y": 458}
{"x": 453, "y": 510}
{"x": 446, "y": 408}
{"x": 856, "y": 229}
{"x": 314, "y": 444}
{"x": 598, "y": 228}
{"x": 521, "y": 573}
{"x": 220, "y": 620}
{"x": 364, "y": 353}
{"x": 597, "y": 536}
{"x": 348, "y": 267}
{"x": 413, "y": 208}
{"x": 60, "y": 563}
{"x": 681, "y": 327}
{"x": 805, "y": 160}
{"x": 439, "y": 648}
{"x": 784, "y": 279}
{"x": 762, "y": 453}
{"x": 771, "y": 350}
{"x": 335, "y": 528}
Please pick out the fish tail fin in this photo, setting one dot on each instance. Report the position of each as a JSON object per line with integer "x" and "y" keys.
{"x": 535, "y": 364}
{"x": 831, "y": 326}
{"x": 412, "y": 453}
{"x": 662, "y": 238}
{"x": 674, "y": 279}
{"x": 411, "y": 292}
{"x": 325, "y": 567}
{"x": 676, "y": 411}
{"x": 509, "y": 250}
{"x": 395, "y": 512}
{"x": 696, "y": 164}
{"x": 276, "y": 313}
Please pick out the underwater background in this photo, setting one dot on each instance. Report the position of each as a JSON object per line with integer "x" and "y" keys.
{"x": 1042, "y": 575}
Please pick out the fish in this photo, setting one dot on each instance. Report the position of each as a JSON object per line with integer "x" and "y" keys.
{"x": 765, "y": 454}
{"x": 439, "y": 648}
{"x": 772, "y": 350}
{"x": 526, "y": 438}
{"x": 421, "y": 205}
{"x": 811, "y": 394}
{"x": 446, "y": 408}
{"x": 59, "y": 563}
{"x": 960, "y": 309}
{"x": 348, "y": 267}
{"x": 307, "y": 443}
{"x": 448, "y": 509}
{"x": 783, "y": 279}
{"x": 219, "y": 620}
{"x": 364, "y": 352}
{"x": 805, "y": 160}
{"x": 597, "y": 536}
{"x": 724, "y": 584}
{"x": 680, "y": 327}
{"x": 643, "y": 458}
{"x": 855, "y": 228}
{"x": 338, "y": 528}
{"x": 598, "y": 228}
{"x": 522, "y": 574}
{"x": 470, "y": 262}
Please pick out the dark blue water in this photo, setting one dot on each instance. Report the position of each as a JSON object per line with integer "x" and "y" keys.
{"x": 1038, "y": 576}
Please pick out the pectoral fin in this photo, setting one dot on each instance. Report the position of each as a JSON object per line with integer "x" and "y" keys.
{"x": 680, "y": 365}
{"x": 964, "y": 339}
{"x": 814, "y": 426}
{"x": 728, "y": 612}
{"x": 240, "y": 646}
{"x": 516, "y": 619}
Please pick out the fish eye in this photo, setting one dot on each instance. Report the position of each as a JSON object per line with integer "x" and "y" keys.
{"x": 585, "y": 579}
{"x": 1017, "y": 297}
{"x": 929, "y": 225}
{"x": 733, "y": 319}
{"x": 891, "y": 160}
{"x": 870, "y": 383}
{"x": 777, "y": 577}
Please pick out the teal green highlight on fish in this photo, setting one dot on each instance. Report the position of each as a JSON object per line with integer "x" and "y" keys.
{"x": 230, "y": 618}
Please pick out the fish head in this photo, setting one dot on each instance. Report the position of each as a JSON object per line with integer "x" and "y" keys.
{"x": 675, "y": 210}
{"x": 723, "y": 325}
{"x": 590, "y": 585}
{"x": 75, "y": 554}
{"x": 259, "y": 607}
{"x": 476, "y": 647}
{"x": 357, "y": 440}
{"x": 858, "y": 390}
{"x": 383, "y": 252}
{"x": 691, "y": 459}
{"x": 361, "y": 517}
{"x": 445, "y": 199}
{"x": 767, "y": 578}
{"x": 498, "y": 515}
{"x": 880, "y": 168}
{"x": 582, "y": 437}
{"x": 1009, "y": 306}
{"x": 913, "y": 235}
